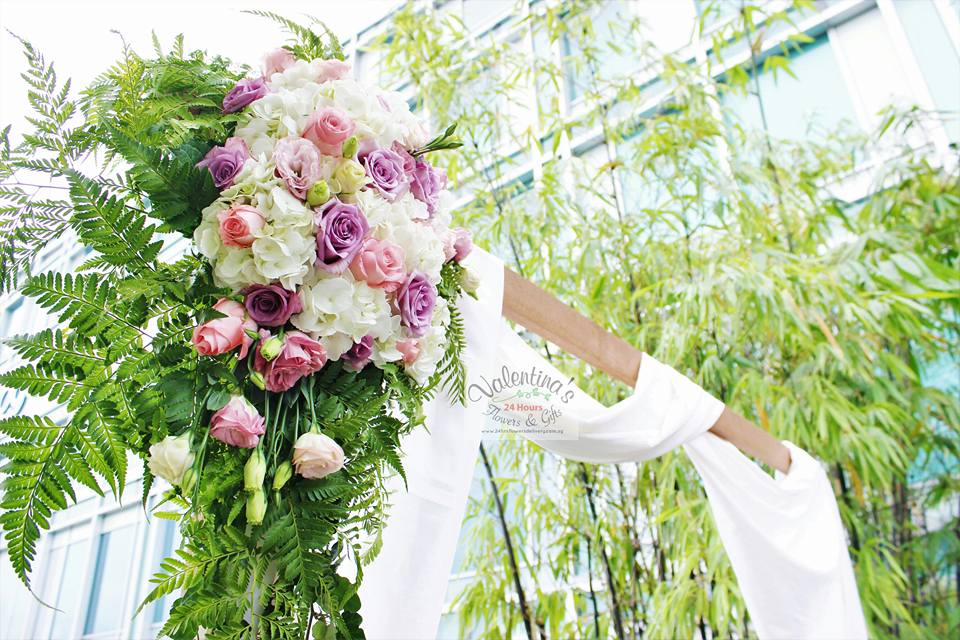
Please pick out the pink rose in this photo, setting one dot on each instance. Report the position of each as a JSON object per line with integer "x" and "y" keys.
{"x": 219, "y": 335}
{"x": 300, "y": 356}
{"x": 379, "y": 263}
{"x": 299, "y": 165}
{"x": 410, "y": 349}
{"x": 316, "y": 455}
{"x": 237, "y": 310}
{"x": 449, "y": 239}
{"x": 328, "y": 128}
{"x": 238, "y": 224}
{"x": 462, "y": 244}
{"x": 332, "y": 70}
{"x": 277, "y": 61}
{"x": 237, "y": 424}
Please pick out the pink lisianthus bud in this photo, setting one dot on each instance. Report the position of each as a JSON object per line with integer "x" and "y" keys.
{"x": 277, "y": 61}
{"x": 316, "y": 455}
{"x": 237, "y": 424}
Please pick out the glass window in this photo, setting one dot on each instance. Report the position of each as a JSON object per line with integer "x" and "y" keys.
{"x": 817, "y": 95}
{"x": 484, "y": 13}
{"x": 115, "y": 554}
{"x": 63, "y": 583}
{"x": 937, "y": 58}
{"x": 14, "y": 603}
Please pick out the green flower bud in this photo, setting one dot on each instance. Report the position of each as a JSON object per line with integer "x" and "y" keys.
{"x": 253, "y": 335}
{"x": 350, "y": 176}
{"x": 189, "y": 481}
{"x": 271, "y": 347}
{"x": 318, "y": 194}
{"x": 350, "y": 147}
{"x": 258, "y": 380}
{"x": 254, "y": 471}
{"x": 283, "y": 474}
{"x": 256, "y": 506}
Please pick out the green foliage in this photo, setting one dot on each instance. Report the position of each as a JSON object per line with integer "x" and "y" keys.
{"x": 306, "y": 44}
{"x": 726, "y": 253}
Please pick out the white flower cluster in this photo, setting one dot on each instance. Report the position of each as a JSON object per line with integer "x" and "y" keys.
{"x": 321, "y": 195}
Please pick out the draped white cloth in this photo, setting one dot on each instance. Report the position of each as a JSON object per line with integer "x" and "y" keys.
{"x": 783, "y": 535}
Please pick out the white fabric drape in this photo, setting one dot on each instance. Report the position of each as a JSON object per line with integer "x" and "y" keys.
{"x": 783, "y": 535}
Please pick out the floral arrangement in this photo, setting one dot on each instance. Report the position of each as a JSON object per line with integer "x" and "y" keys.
{"x": 269, "y": 374}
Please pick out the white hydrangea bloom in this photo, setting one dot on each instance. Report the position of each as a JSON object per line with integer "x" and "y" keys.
{"x": 285, "y": 255}
{"x": 284, "y": 210}
{"x": 432, "y": 345}
{"x": 336, "y": 344}
{"x": 340, "y": 305}
{"x": 422, "y": 247}
{"x": 236, "y": 268}
{"x": 257, "y": 174}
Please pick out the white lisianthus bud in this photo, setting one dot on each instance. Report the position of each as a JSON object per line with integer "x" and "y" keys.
{"x": 256, "y": 506}
{"x": 470, "y": 281}
{"x": 350, "y": 176}
{"x": 170, "y": 458}
{"x": 316, "y": 455}
{"x": 271, "y": 347}
{"x": 254, "y": 471}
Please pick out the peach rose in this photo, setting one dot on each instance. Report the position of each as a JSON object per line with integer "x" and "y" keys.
{"x": 379, "y": 263}
{"x": 328, "y": 128}
{"x": 316, "y": 455}
{"x": 236, "y": 309}
{"x": 239, "y": 225}
{"x": 219, "y": 335}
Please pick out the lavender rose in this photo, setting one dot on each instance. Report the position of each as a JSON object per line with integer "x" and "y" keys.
{"x": 385, "y": 168}
{"x": 224, "y": 163}
{"x": 357, "y": 356}
{"x": 416, "y": 300}
{"x": 270, "y": 305}
{"x": 245, "y": 92}
{"x": 426, "y": 183}
{"x": 340, "y": 231}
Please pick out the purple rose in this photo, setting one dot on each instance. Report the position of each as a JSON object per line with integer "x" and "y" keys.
{"x": 245, "y": 92}
{"x": 385, "y": 168}
{"x": 416, "y": 300}
{"x": 225, "y": 162}
{"x": 340, "y": 231}
{"x": 426, "y": 183}
{"x": 357, "y": 356}
{"x": 270, "y": 305}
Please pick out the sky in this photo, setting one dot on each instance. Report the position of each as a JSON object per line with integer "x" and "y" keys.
{"x": 76, "y": 35}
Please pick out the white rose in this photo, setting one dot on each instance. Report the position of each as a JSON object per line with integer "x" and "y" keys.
{"x": 170, "y": 458}
{"x": 285, "y": 254}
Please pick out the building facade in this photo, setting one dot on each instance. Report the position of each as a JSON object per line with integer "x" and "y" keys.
{"x": 95, "y": 562}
